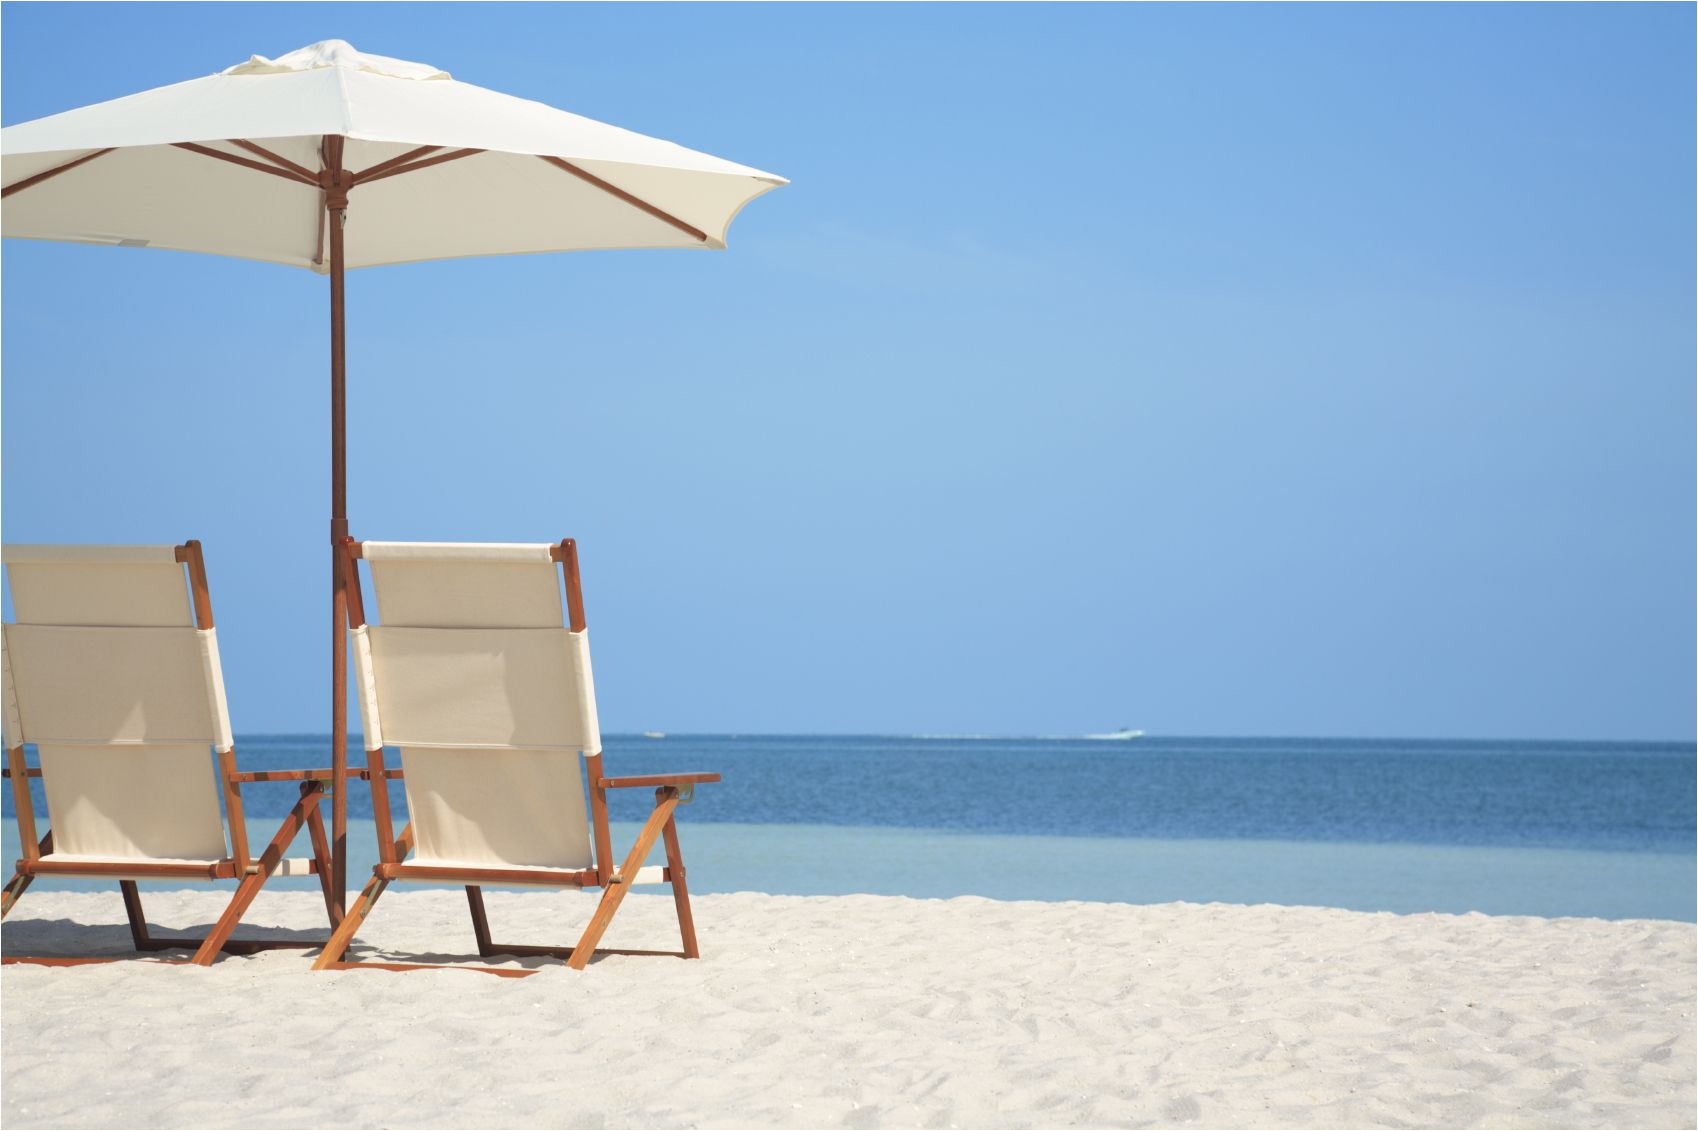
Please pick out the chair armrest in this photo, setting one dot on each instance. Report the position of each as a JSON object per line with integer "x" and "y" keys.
{"x": 655, "y": 780}
{"x": 361, "y": 772}
{"x": 280, "y": 775}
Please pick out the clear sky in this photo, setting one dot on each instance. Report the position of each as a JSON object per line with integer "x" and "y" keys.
{"x": 1267, "y": 370}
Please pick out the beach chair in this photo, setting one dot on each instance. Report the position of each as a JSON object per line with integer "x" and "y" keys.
{"x": 111, "y": 671}
{"x": 481, "y": 679}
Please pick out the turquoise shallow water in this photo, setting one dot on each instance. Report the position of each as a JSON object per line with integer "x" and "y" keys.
{"x": 1404, "y": 878}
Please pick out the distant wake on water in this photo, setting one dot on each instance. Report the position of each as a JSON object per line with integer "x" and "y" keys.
{"x": 1116, "y": 737}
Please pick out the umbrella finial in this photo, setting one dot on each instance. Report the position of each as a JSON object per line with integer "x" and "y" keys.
{"x": 336, "y": 53}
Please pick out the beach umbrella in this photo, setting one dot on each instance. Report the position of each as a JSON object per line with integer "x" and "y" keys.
{"x": 328, "y": 159}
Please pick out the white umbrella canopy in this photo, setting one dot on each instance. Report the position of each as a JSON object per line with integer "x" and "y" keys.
{"x": 439, "y": 169}
{"x": 327, "y": 158}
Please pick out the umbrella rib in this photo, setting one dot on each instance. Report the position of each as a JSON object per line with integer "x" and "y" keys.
{"x": 385, "y": 166}
{"x": 635, "y": 202}
{"x": 53, "y": 172}
{"x": 276, "y": 159}
{"x": 378, "y": 172}
{"x": 261, "y": 166}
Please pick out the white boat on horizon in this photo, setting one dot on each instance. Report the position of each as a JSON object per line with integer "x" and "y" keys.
{"x": 1121, "y": 735}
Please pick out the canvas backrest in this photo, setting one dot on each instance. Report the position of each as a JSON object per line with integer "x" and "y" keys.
{"x": 108, "y": 674}
{"x": 472, "y": 673}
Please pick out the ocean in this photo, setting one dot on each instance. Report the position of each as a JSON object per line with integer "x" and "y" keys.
{"x": 1511, "y": 828}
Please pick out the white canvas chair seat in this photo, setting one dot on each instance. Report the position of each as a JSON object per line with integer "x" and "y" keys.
{"x": 495, "y": 688}
{"x": 474, "y": 674}
{"x": 133, "y": 803}
{"x": 497, "y": 808}
{"x": 71, "y": 585}
{"x": 111, "y": 670}
{"x": 456, "y": 585}
{"x": 490, "y": 724}
{"x": 104, "y": 686}
{"x": 108, "y": 676}
{"x": 490, "y": 698}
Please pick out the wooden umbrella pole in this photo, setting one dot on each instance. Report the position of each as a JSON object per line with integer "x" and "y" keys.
{"x": 335, "y": 182}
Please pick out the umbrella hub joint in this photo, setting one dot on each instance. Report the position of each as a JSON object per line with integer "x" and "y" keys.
{"x": 336, "y": 185}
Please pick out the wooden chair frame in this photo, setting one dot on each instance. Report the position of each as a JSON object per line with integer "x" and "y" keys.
{"x": 240, "y": 865}
{"x": 670, "y": 790}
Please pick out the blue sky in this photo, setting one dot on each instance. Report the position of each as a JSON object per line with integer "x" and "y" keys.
{"x": 1316, "y": 370}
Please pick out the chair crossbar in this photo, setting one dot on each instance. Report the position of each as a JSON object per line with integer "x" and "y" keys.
{"x": 145, "y": 869}
{"x": 431, "y": 873}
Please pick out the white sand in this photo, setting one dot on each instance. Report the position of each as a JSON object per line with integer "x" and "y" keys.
{"x": 864, "y": 1011}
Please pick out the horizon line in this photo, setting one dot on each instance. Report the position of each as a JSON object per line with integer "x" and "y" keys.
{"x": 354, "y": 736}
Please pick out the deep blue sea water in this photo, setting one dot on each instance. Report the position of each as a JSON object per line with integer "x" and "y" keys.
{"x": 1508, "y": 827}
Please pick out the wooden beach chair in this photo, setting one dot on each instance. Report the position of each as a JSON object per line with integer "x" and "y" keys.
{"x": 481, "y": 679}
{"x": 111, "y": 671}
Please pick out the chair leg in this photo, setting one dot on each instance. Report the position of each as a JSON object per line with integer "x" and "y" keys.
{"x": 666, "y": 800}
{"x": 133, "y": 910}
{"x": 321, "y": 855}
{"x": 680, "y": 893}
{"x": 480, "y": 921}
{"x": 343, "y": 935}
{"x": 311, "y": 794}
{"x": 19, "y": 881}
{"x": 14, "y": 889}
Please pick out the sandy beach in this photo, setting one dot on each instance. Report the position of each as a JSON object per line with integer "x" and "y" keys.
{"x": 864, "y": 1011}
